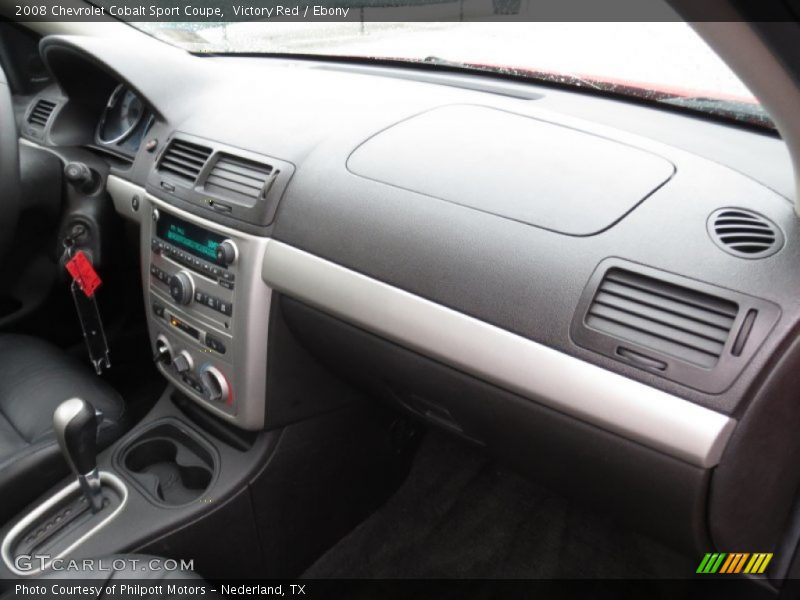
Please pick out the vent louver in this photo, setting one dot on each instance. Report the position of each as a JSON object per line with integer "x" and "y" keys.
{"x": 231, "y": 174}
{"x": 40, "y": 114}
{"x": 744, "y": 233}
{"x": 184, "y": 159}
{"x": 670, "y": 319}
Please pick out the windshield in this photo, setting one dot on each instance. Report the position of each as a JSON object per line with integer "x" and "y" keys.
{"x": 664, "y": 62}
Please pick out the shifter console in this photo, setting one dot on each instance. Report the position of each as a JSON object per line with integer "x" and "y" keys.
{"x": 67, "y": 519}
{"x": 207, "y": 310}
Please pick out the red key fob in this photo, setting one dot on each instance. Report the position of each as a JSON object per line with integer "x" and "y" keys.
{"x": 83, "y": 273}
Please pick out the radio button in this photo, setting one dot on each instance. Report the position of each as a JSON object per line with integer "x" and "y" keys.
{"x": 226, "y": 284}
{"x": 159, "y": 274}
{"x": 200, "y": 297}
{"x": 215, "y": 344}
{"x": 192, "y": 383}
{"x": 225, "y": 308}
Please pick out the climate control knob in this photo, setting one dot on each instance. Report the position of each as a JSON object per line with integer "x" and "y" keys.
{"x": 163, "y": 351}
{"x": 215, "y": 386}
{"x": 181, "y": 287}
{"x": 227, "y": 253}
{"x": 183, "y": 362}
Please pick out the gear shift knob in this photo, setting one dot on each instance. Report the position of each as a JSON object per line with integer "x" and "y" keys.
{"x": 75, "y": 424}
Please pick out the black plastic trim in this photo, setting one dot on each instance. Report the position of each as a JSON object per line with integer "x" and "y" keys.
{"x": 714, "y": 376}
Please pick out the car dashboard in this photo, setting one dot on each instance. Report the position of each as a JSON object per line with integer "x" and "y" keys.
{"x": 597, "y": 291}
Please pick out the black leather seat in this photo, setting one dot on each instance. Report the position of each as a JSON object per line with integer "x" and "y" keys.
{"x": 35, "y": 377}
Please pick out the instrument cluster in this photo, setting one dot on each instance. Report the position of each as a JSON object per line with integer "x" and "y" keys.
{"x": 124, "y": 122}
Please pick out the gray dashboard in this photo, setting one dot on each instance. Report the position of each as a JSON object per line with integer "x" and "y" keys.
{"x": 383, "y": 188}
{"x": 523, "y": 278}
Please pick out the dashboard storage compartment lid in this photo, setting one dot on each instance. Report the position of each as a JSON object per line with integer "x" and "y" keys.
{"x": 691, "y": 332}
{"x": 513, "y": 166}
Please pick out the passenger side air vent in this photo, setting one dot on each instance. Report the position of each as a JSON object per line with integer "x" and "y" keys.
{"x": 184, "y": 159}
{"x": 667, "y": 318}
{"x": 691, "y": 332}
{"x": 41, "y": 112}
{"x": 232, "y": 175}
{"x": 744, "y": 233}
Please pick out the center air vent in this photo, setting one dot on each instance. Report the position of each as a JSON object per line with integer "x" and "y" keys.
{"x": 661, "y": 316}
{"x": 237, "y": 176}
{"x": 40, "y": 113}
{"x": 184, "y": 159}
{"x": 744, "y": 233}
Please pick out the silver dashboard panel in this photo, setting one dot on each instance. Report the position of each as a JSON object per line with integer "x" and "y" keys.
{"x": 595, "y": 395}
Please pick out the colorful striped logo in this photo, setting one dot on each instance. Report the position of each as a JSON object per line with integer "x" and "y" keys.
{"x": 735, "y": 562}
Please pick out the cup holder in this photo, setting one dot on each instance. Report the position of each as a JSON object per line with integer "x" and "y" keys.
{"x": 170, "y": 464}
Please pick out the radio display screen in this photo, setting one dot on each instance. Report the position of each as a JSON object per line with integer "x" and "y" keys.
{"x": 188, "y": 237}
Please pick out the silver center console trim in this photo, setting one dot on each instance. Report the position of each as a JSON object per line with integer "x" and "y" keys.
{"x": 127, "y": 197}
{"x": 106, "y": 478}
{"x": 245, "y": 362}
{"x": 585, "y": 391}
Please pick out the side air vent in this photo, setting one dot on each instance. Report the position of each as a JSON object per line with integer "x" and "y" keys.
{"x": 661, "y": 316}
{"x": 184, "y": 159}
{"x": 237, "y": 176}
{"x": 744, "y": 233}
{"x": 41, "y": 112}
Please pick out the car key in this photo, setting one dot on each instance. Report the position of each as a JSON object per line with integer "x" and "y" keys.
{"x": 84, "y": 283}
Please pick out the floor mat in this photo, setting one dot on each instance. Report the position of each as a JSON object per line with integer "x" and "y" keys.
{"x": 460, "y": 515}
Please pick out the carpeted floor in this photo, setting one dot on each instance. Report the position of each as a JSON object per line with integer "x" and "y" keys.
{"x": 460, "y": 515}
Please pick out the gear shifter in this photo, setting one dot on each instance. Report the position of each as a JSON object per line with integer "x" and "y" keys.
{"x": 75, "y": 424}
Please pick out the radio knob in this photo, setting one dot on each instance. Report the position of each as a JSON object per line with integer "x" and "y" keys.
{"x": 181, "y": 287}
{"x": 227, "y": 253}
{"x": 215, "y": 386}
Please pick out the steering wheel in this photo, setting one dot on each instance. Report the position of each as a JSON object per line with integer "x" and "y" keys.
{"x": 9, "y": 167}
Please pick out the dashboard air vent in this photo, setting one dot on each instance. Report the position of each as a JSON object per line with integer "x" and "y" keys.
{"x": 670, "y": 319}
{"x": 40, "y": 114}
{"x": 184, "y": 159}
{"x": 232, "y": 174}
{"x": 744, "y": 233}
